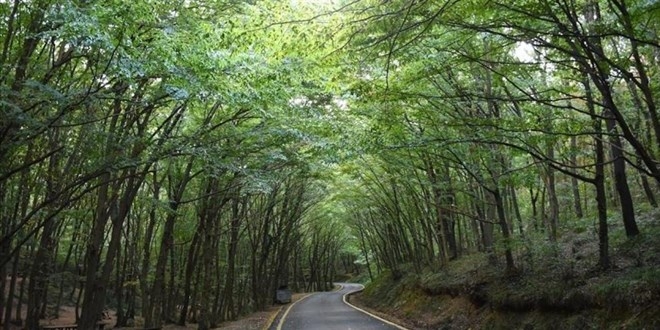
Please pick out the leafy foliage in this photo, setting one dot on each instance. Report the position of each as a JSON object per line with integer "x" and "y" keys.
{"x": 262, "y": 144}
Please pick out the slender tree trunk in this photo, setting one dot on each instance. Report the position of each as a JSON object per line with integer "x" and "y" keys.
{"x": 601, "y": 206}
{"x": 154, "y": 317}
{"x": 599, "y": 180}
{"x": 577, "y": 204}
{"x": 21, "y": 296}
{"x": 65, "y": 264}
{"x": 39, "y": 273}
{"x": 234, "y": 227}
{"x": 170, "y": 305}
{"x": 365, "y": 251}
{"x": 643, "y": 124}
{"x": 147, "y": 309}
{"x": 648, "y": 191}
{"x": 475, "y": 224}
{"x": 158, "y": 311}
{"x": 535, "y": 213}
{"x": 120, "y": 271}
{"x": 487, "y": 217}
{"x": 441, "y": 221}
{"x": 516, "y": 210}
{"x": 499, "y": 203}
{"x": 601, "y": 79}
{"x": 204, "y": 321}
{"x": 449, "y": 224}
{"x": 643, "y": 82}
{"x": 191, "y": 261}
{"x": 553, "y": 203}
{"x": 3, "y": 302}
{"x": 42, "y": 263}
{"x": 96, "y": 284}
{"x": 621, "y": 179}
{"x": 5, "y": 246}
{"x": 211, "y": 211}
{"x": 10, "y": 293}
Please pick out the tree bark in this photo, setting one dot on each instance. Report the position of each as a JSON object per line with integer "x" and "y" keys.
{"x": 191, "y": 261}
{"x": 577, "y": 204}
{"x": 154, "y": 316}
{"x": 599, "y": 179}
{"x": 499, "y": 203}
{"x": 42, "y": 262}
{"x": 621, "y": 179}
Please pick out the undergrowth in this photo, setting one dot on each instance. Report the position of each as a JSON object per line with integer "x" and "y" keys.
{"x": 557, "y": 285}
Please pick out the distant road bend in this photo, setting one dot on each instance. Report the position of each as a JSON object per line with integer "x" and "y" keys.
{"x": 329, "y": 311}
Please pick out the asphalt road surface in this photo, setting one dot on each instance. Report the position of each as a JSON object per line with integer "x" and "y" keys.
{"x": 328, "y": 311}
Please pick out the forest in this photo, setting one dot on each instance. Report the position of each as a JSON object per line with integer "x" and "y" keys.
{"x": 177, "y": 161}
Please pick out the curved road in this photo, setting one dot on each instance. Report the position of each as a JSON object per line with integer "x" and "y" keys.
{"x": 328, "y": 311}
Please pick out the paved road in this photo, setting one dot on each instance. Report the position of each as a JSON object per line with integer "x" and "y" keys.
{"x": 327, "y": 311}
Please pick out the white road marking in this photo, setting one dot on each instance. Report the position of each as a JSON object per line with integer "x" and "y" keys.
{"x": 279, "y": 326}
{"x": 365, "y": 312}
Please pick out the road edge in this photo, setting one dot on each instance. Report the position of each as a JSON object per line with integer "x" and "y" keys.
{"x": 286, "y": 312}
{"x": 344, "y": 298}
{"x": 271, "y": 319}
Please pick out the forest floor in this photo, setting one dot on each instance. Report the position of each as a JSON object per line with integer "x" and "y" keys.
{"x": 555, "y": 286}
{"x": 255, "y": 321}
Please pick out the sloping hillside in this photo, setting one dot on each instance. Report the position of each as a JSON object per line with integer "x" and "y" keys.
{"x": 554, "y": 289}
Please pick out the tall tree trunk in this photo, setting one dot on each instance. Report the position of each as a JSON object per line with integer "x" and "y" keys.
{"x": 621, "y": 179}
{"x": 191, "y": 261}
{"x": 648, "y": 191}
{"x": 641, "y": 73}
{"x": 577, "y": 204}
{"x": 147, "y": 310}
{"x": 553, "y": 203}
{"x": 5, "y": 221}
{"x": 601, "y": 77}
{"x": 610, "y": 111}
{"x": 120, "y": 273}
{"x": 516, "y": 210}
{"x": 10, "y": 294}
{"x": 487, "y": 217}
{"x": 599, "y": 179}
{"x": 154, "y": 316}
{"x": 212, "y": 206}
{"x": 42, "y": 262}
{"x": 534, "y": 197}
{"x": 96, "y": 284}
{"x": 643, "y": 124}
{"x": 38, "y": 280}
{"x": 65, "y": 265}
{"x": 21, "y": 296}
{"x": 441, "y": 220}
{"x": 204, "y": 321}
{"x": 365, "y": 252}
{"x": 449, "y": 225}
{"x": 234, "y": 227}
{"x": 506, "y": 234}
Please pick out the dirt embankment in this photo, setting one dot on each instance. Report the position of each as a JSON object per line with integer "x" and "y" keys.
{"x": 554, "y": 289}
{"x": 513, "y": 305}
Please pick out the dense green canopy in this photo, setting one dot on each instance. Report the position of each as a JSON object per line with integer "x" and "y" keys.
{"x": 180, "y": 160}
